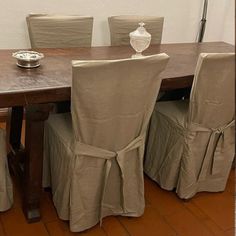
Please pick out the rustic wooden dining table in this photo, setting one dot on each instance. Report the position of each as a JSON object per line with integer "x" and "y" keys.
{"x": 30, "y": 92}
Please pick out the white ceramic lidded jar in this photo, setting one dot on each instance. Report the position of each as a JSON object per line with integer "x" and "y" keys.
{"x": 140, "y": 40}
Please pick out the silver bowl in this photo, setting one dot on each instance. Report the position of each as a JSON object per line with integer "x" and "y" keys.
{"x": 28, "y": 59}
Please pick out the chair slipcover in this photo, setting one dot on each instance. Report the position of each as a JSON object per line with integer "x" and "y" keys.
{"x": 191, "y": 143}
{"x": 6, "y": 189}
{"x": 121, "y": 26}
{"x": 59, "y": 31}
{"x": 94, "y": 156}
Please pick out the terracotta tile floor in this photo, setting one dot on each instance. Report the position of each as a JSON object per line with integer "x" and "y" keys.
{"x": 207, "y": 214}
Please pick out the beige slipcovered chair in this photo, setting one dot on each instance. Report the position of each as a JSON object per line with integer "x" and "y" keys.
{"x": 191, "y": 142}
{"x": 94, "y": 156}
{"x": 6, "y": 189}
{"x": 59, "y": 31}
{"x": 121, "y": 26}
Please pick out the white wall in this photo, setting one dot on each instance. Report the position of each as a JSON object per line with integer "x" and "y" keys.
{"x": 220, "y": 22}
{"x": 228, "y": 34}
{"x": 181, "y": 18}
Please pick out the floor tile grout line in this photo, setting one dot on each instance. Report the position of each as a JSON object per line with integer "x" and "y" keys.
{"x": 202, "y": 221}
{"x": 233, "y": 228}
{"x": 163, "y": 216}
{"x": 103, "y": 230}
{"x": 164, "y": 219}
{"x": 3, "y": 228}
{"x": 45, "y": 225}
{"x": 124, "y": 227}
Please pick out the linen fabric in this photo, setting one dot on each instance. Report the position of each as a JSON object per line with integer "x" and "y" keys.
{"x": 121, "y": 26}
{"x": 59, "y": 31}
{"x": 94, "y": 156}
{"x": 191, "y": 142}
{"x": 6, "y": 189}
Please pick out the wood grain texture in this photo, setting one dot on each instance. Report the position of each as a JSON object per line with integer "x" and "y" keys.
{"x": 51, "y": 81}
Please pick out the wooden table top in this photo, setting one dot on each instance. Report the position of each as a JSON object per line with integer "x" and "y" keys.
{"x": 51, "y": 81}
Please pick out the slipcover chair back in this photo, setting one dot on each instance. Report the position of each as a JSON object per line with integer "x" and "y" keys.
{"x": 212, "y": 93}
{"x": 6, "y": 189}
{"x": 191, "y": 143}
{"x": 59, "y": 31}
{"x": 99, "y": 172}
{"x": 121, "y": 26}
